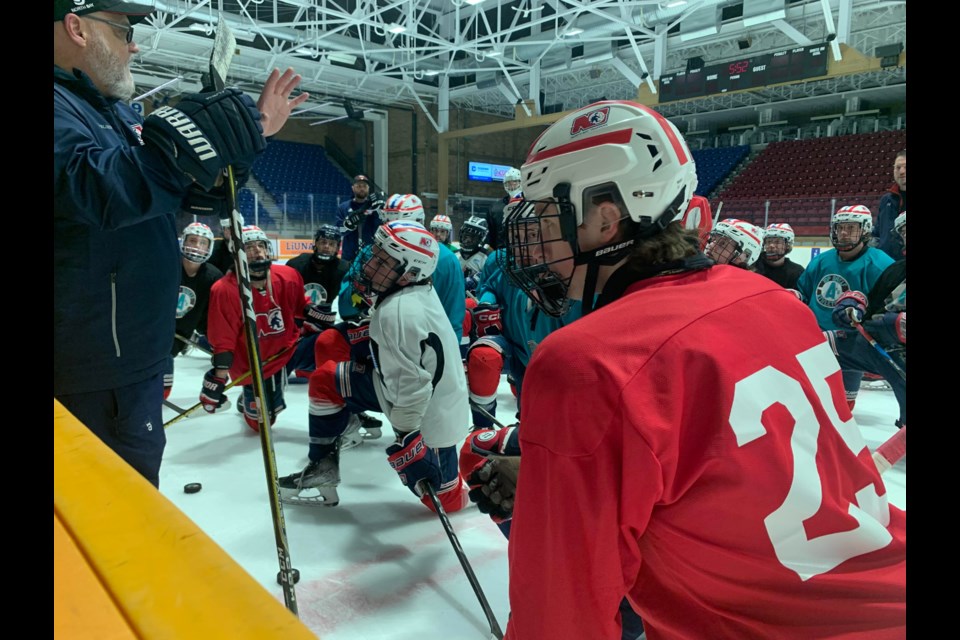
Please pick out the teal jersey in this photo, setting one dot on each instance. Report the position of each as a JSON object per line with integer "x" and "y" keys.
{"x": 827, "y": 276}
{"x": 517, "y": 310}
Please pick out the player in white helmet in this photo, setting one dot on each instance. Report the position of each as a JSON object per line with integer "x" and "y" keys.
{"x": 414, "y": 377}
{"x": 778, "y": 241}
{"x": 709, "y": 405}
{"x": 197, "y": 276}
{"x": 442, "y": 229}
{"x": 278, "y": 301}
{"x": 735, "y": 242}
{"x": 406, "y": 206}
{"x": 512, "y": 182}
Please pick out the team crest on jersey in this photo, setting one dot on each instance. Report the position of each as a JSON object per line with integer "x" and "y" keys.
{"x": 829, "y": 289}
{"x": 138, "y": 132}
{"x": 186, "y": 301}
{"x": 316, "y": 293}
{"x": 270, "y": 323}
{"x": 591, "y": 120}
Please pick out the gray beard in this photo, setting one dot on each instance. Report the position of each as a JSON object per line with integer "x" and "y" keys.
{"x": 114, "y": 75}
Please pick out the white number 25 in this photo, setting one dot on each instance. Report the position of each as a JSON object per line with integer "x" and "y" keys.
{"x": 809, "y": 557}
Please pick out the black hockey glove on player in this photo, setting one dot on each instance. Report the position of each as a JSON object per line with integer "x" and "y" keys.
{"x": 206, "y": 132}
{"x": 369, "y": 208}
{"x": 317, "y": 317}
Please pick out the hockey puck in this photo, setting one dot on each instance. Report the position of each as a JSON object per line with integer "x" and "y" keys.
{"x": 296, "y": 576}
{"x": 193, "y": 487}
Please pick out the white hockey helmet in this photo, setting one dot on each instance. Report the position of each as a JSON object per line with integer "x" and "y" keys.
{"x": 191, "y": 251}
{"x": 900, "y": 222}
{"x": 617, "y": 151}
{"x": 747, "y": 241}
{"x": 441, "y": 222}
{"x": 409, "y": 242}
{"x": 780, "y": 230}
{"x": 854, "y": 213}
{"x": 406, "y": 206}
{"x": 512, "y": 182}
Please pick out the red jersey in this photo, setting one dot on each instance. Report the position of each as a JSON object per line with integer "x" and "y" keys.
{"x": 689, "y": 446}
{"x": 698, "y": 217}
{"x": 275, "y": 307}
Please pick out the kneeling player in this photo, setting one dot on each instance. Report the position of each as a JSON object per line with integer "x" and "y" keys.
{"x": 413, "y": 376}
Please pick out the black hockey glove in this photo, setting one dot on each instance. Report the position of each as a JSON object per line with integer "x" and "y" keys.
{"x": 493, "y": 482}
{"x": 206, "y": 132}
{"x": 317, "y": 317}
{"x": 215, "y": 202}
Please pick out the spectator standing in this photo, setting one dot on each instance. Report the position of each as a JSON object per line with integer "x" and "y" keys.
{"x": 892, "y": 204}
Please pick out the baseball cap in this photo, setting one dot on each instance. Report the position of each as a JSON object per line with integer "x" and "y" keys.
{"x": 361, "y": 178}
{"x": 134, "y": 11}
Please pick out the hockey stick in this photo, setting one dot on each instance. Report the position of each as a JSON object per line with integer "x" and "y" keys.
{"x": 495, "y": 631}
{"x": 888, "y": 453}
{"x": 186, "y": 413}
{"x": 170, "y": 405}
{"x": 716, "y": 216}
{"x": 492, "y": 418}
{"x": 193, "y": 343}
{"x": 880, "y": 350}
{"x": 224, "y": 45}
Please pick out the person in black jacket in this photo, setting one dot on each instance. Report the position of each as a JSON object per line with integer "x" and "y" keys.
{"x": 197, "y": 276}
{"x": 773, "y": 263}
{"x": 359, "y": 217}
{"x": 118, "y": 183}
{"x": 892, "y": 204}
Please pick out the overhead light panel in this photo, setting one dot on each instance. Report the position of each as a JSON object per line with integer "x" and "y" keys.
{"x": 675, "y": 3}
{"x": 757, "y": 12}
{"x": 396, "y": 28}
{"x": 572, "y": 31}
{"x": 431, "y": 72}
{"x": 472, "y": 2}
{"x": 493, "y": 53}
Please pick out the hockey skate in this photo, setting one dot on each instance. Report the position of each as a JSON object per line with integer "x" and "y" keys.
{"x": 370, "y": 426}
{"x": 873, "y": 382}
{"x": 351, "y": 436}
{"x": 315, "y": 485}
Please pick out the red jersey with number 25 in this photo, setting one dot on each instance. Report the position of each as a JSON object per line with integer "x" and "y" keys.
{"x": 688, "y": 446}
{"x": 275, "y": 308}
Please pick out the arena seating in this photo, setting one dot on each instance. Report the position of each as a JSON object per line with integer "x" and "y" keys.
{"x": 713, "y": 165}
{"x": 804, "y": 181}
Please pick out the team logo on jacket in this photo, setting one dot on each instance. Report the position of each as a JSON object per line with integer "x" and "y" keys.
{"x": 315, "y": 292}
{"x": 138, "y": 132}
{"x": 186, "y": 301}
{"x": 270, "y": 323}
{"x": 591, "y": 120}
{"x": 829, "y": 289}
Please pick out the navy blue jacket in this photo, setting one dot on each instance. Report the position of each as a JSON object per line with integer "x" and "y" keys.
{"x": 116, "y": 270}
{"x": 892, "y": 204}
{"x": 351, "y": 241}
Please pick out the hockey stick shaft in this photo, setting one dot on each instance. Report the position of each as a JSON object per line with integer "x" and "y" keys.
{"x": 462, "y": 557}
{"x": 193, "y": 343}
{"x": 223, "y": 49}
{"x": 489, "y": 416}
{"x": 880, "y": 350}
{"x": 186, "y": 413}
{"x": 890, "y": 452}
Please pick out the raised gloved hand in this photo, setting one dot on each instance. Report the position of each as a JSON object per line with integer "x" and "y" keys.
{"x": 317, "y": 317}
{"x": 206, "y": 132}
{"x": 212, "y": 394}
{"x": 414, "y": 461}
{"x": 849, "y": 308}
{"x": 377, "y": 200}
{"x": 486, "y": 321}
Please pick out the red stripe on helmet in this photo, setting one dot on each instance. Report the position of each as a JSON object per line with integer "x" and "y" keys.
{"x": 613, "y": 137}
{"x": 407, "y": 244}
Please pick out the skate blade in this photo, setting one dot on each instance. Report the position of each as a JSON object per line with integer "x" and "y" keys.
{"x": 373, "y": 433}
{"x": 350, "y": 443}
{"x": 312, "y": 497}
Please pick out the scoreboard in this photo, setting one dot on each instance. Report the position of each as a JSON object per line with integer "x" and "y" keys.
{"x": 791, "y": 65}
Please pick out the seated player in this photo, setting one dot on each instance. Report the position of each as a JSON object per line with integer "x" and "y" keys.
{"x": 774, "y": 263}
{"x": 473, "y": 234}
{"x": 442, "y": 229}
{"x": 413, "y": 376}
{"x": 277, "y": 302}
{"x": 197, "y": 276}
{"x": 322, "y": 272}
{"x": 735, "y": 242}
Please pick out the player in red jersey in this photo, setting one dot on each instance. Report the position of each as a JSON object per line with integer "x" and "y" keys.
{"x": 278, "y": 300}
{"x": 715, "y": 476}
